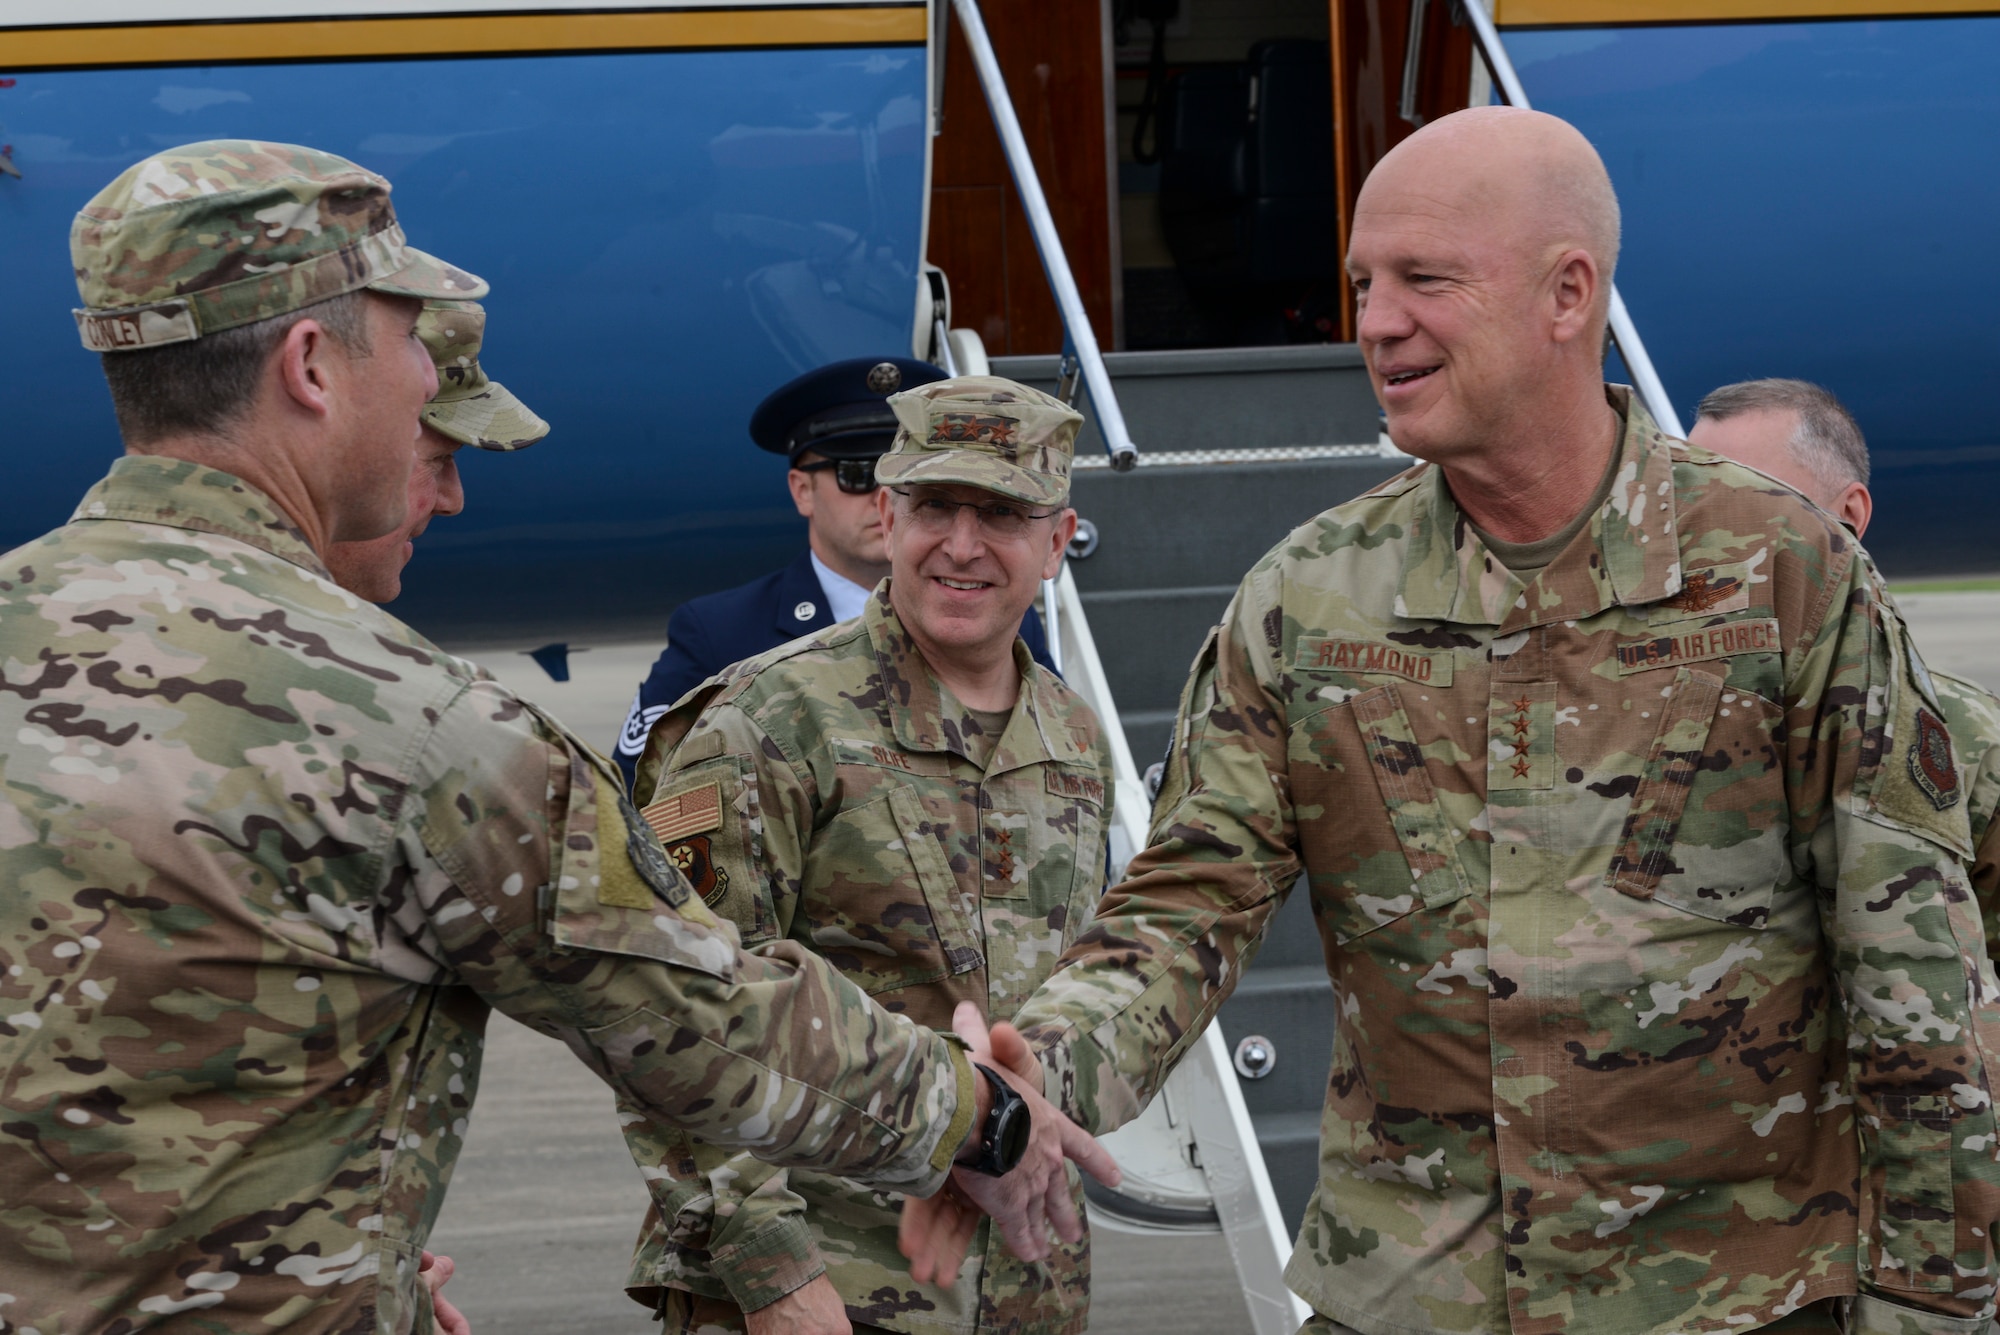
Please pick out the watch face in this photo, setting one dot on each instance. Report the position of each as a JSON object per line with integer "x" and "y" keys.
{"x": 1010, "y": 1137}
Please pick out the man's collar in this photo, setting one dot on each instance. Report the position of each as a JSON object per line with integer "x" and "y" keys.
{"x": 152, "y": 489}
{"x": 1628, "y": 554}
{"x": 915, "y": 699}
{"x": 844, "y": 598}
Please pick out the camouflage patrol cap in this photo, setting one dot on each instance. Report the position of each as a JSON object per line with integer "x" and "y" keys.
{"x": 983, "y": 431}
{"x": 468, "y": 407}
{"x": 210, "y": 236}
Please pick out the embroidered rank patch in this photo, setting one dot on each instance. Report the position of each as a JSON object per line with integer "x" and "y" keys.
{"x": 695, "y": 811}
{"x": 977, "y": 428}
{"x": 694, "y": 858}
{"x": 1062, "y": 783}
{"x": 1314, "y": 654}
{"x": 1521, "y": 736}
{"x": 1730, "y": 638}
{"x": 1706, "y": 593}
{"x": 1931, "y": 761}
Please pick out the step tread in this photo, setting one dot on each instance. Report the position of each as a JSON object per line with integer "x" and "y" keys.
{"x": 1286, "y": 1128}
{"x": 1265, "y": 980}
{"x": 1277, "y": 360}
{"x": 1095, "y": 597}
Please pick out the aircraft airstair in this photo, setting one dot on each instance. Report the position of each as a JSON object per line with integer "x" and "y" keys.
{"x": 1241, "y": 446}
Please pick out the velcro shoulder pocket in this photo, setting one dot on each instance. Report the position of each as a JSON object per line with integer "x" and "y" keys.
{"x": 708, "y": 819}
{"x": 1916, "y": 781}
{"x": 612, "y": 888}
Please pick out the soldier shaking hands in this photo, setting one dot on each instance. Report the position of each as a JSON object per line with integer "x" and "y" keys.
{"x": 910, "y": 795}
{"x": 268, "y": 857}
{"x": 1633, "y": 833}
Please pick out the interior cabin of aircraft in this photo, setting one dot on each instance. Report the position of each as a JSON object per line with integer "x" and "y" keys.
{"x": 1236, "y": 135}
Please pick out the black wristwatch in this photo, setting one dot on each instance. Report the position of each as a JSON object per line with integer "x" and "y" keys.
{"x": 1004, "y": 1138}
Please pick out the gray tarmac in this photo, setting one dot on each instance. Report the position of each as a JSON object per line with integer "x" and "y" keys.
{"x": 545, "y": 1203}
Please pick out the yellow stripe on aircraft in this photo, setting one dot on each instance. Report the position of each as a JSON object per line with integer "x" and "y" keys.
{"x": 467, "y": 35}
{"x": 1610, "y": 13}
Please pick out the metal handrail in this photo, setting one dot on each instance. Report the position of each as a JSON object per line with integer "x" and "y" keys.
{"x": 1644, "y": 378}
{"x": 1079, "y": 340}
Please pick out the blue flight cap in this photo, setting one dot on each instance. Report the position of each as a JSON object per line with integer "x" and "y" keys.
{"x": 838, "y": 411}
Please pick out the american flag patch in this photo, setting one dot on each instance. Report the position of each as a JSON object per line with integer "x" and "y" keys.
{"x": 695, "y": 811}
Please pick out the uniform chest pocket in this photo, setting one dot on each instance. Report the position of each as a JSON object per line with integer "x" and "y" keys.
{"x": 884, "y": 907}
{"x": 1423, "y": 834}
{"x": 1074, "y": 823}
{"x": 1706, "y": 831}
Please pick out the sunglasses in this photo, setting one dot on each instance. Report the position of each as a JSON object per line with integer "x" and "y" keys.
{"x": 856, "y": 477}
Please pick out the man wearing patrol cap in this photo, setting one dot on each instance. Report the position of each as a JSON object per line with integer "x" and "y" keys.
{"x": 832, "y": 423}
{"x": 911, "y": 796}
{"x": 468, "y": 409}
{"x": 269, "y": 856}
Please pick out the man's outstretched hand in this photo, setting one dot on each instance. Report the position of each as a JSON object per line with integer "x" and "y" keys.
{"x": 1025, "y": 1203}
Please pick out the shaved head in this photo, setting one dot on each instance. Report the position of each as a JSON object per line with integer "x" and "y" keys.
{"x": 1481, "y": 255}
{"x": 1530, "y": 178}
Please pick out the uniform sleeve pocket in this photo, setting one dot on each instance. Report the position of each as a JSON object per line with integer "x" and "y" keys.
{"x": 708, "y": 818}
{"x": 1916, "y": 1230}
{"x": 1397, "y": 762}
{"x": 618, "y": 893}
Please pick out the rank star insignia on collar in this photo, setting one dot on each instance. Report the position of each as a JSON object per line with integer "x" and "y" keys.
{"x": 1931, "y": 762}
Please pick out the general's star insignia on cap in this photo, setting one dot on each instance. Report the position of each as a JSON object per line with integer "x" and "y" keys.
{"x": 806, "y": 611}
{"x": 884, "y": 378}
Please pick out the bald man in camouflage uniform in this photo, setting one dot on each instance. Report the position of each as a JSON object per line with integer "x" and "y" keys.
{"x": 935, "y": 846}
{"x": 267, "y": 856}
{"x": 1633, "y": 839}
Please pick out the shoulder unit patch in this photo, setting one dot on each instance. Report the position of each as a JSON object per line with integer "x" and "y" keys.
{"x": 1932, "y": 764}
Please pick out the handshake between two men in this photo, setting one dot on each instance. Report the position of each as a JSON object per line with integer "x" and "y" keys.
{"x": 1027, "y": 1201}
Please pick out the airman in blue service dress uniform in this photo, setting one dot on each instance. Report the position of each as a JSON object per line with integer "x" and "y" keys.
{"x": 833, "y": 423}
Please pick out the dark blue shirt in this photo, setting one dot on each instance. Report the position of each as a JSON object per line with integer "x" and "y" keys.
{"x": 707, "y": 634}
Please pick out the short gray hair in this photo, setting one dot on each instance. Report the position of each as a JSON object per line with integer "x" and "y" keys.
{"x": 204, "y": 385}
{"x": 1827, "y": 439}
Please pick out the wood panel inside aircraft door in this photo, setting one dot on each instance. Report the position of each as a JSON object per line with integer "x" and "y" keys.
{"x": 1053, "y": 54}
{"x": 1381, "y": 96}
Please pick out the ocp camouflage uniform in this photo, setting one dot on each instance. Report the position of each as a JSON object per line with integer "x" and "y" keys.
{"x": 1972, "y": 715}
{"x": 267, "y": 856}
{"x": 1592, "y": 862}
{"x": 822, "y": 792}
